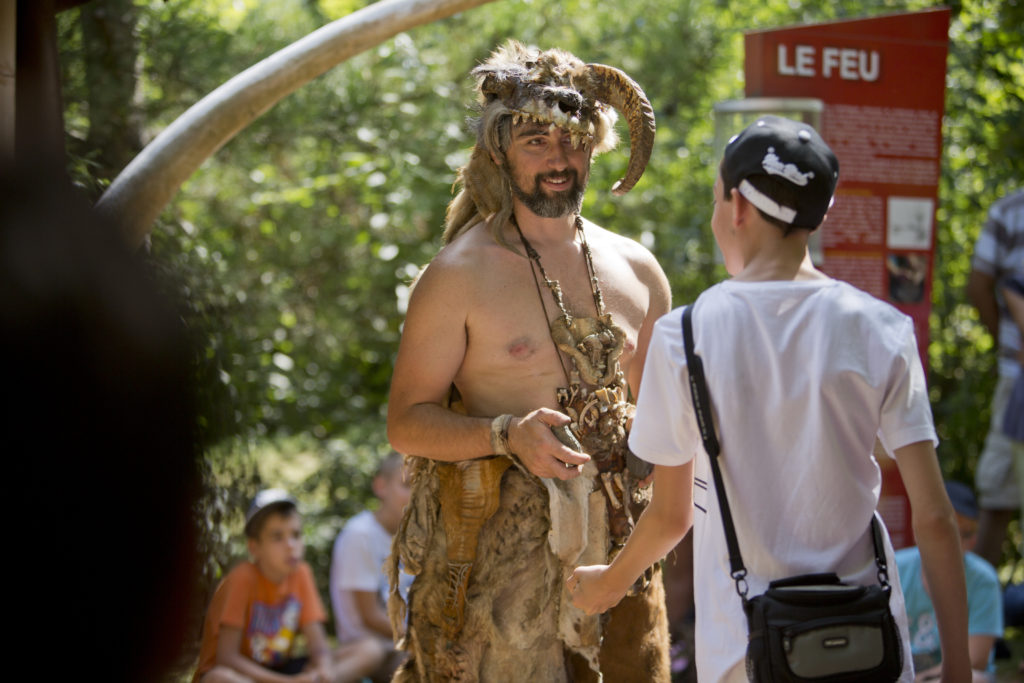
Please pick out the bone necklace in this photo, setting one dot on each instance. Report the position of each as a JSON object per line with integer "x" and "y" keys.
{"x": 599, "y": 417}
{"x": 594, "y": 344}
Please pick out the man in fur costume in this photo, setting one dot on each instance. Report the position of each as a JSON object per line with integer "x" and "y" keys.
{"x": 523, "y": 346}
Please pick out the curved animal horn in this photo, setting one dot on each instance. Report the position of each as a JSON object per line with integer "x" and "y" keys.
{"x": 620, "y": 91}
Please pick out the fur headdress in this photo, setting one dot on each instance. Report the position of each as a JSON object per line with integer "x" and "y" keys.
{"x": 520, "y": 83}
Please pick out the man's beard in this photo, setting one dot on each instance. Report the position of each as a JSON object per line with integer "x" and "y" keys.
{"x": 557, "y": 205}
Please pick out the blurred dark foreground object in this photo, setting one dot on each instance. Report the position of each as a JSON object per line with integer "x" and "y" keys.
{"x": 100, "y": 438}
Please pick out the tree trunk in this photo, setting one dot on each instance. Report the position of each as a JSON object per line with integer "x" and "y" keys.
{"x": 147, "y": 184}
{"x": 108, "y": 39}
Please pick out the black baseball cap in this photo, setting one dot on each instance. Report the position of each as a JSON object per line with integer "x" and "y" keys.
{"x": 962, "y": 498}
{"x": 784, "y": 168}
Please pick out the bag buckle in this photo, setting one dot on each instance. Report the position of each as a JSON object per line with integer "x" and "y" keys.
{"x": 739, "y": 577}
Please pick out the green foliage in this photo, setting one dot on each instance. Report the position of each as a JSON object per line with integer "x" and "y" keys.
{"x": 983, "y": 145}
{"x": 294, "y": 245}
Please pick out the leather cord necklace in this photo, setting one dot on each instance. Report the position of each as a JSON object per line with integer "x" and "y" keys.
{"x": 556, "y": 288}
{"x": 599, "y": 416}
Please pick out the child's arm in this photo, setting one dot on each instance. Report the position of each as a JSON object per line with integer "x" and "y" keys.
{"x": 319, "y": 652}
{"x": 229, "y": 654}
{"x": 938, "y": 539}
{"x": 374, "y": 617}
{"x": 349, "y": 662}
{"x": 662, "y": 525}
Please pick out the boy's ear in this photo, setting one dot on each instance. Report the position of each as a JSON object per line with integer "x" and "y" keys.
{"x": 741, "y": 207}
{"x": 377, "y": 486}
{"x": 253, "y": 545}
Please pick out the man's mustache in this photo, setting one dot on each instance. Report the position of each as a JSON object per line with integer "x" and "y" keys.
{"x": 569, "y": 174}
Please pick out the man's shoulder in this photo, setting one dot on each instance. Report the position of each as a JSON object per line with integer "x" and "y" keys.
{"x": 450, "y": 273}
{"x": 473, "y": 252}
{"x": 1003, "y": 232}
{"x": 602, "y": 238}
{"x": 633, "y": 255}
{"x": 1010, "y": 210}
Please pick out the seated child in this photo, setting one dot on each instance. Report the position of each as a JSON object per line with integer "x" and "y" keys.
{"x": 984, "y": 604}
{"x": 261, "y": 605}
{"x": 359, "y": 586}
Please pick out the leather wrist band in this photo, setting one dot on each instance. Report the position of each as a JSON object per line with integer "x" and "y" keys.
{"x": 499, "y": 434}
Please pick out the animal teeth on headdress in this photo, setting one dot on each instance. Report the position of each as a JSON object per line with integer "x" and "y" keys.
{"x": 558, "y": 87}
{"x": 541, "y": 113}
{"x": 579, "y": 130}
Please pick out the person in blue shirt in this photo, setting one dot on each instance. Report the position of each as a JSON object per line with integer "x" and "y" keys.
{"x": 984, "y": 602}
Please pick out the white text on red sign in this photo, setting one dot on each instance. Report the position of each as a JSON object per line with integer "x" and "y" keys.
{"x": 847, "y": 63}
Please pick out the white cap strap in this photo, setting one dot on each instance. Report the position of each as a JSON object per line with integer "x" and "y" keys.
{"x": 766, "y": 203}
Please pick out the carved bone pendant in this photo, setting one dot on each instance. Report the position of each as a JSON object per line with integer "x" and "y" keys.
{"x": 594, "y": 344}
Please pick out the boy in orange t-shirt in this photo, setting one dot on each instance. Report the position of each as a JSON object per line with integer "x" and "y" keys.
{"x": 261, "y": 606}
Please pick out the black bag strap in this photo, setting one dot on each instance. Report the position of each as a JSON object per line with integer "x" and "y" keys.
{"x": 702, "y": 409}
{"x": 876, "y": 539}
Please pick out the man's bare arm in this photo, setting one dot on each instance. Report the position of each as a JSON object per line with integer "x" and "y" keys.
{"x": 1015, "y": 305}
{"x": 430, "y": 354}
{"x": 981, "y": 291}
{"x": 938, "y": 539}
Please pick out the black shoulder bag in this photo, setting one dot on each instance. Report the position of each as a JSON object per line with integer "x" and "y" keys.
{"x": 810, "y": 627}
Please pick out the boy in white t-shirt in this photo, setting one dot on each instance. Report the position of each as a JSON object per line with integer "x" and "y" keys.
{"x": 804, "y": 372}
{"x": 358, "y": 583}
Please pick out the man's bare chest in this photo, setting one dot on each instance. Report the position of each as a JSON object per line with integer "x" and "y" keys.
{"x": 513, "y": 332}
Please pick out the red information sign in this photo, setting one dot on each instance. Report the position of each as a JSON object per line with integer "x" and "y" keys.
{"x": 882, "y": 82}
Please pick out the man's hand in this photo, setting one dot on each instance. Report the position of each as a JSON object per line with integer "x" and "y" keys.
{"x": 981, "y": 292}
{"x": 540, "y": 451}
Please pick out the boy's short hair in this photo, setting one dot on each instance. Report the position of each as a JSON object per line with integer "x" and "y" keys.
{"x": 784, "y": 168}
{"x": 391, "y": 463}
{"x": 266, "y": 503}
